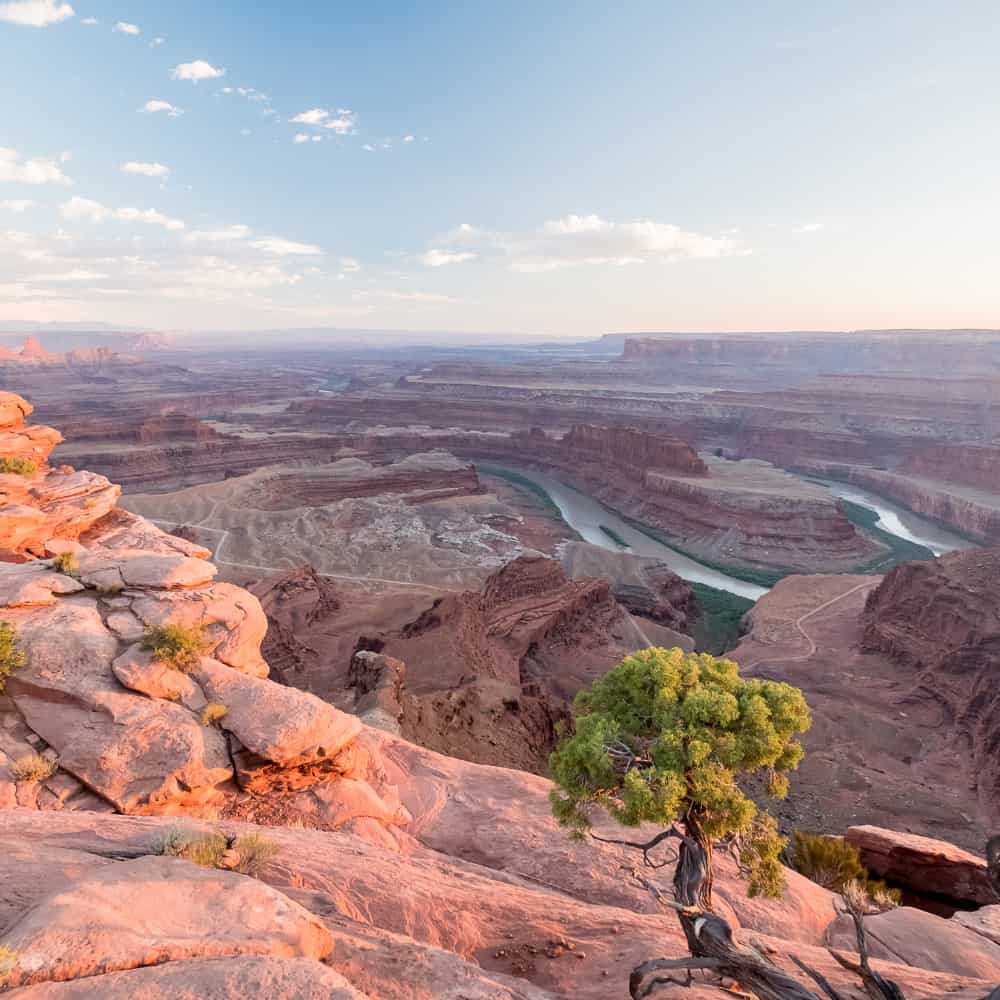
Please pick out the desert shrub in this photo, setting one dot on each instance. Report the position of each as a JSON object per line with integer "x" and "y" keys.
{"x": 8, "y": 959}
{"x": 836, "y": 865}
{"x": 66, "y": 563}
{"x": 828, "y": 861}
{"x": 109, "y": 589}
{"x": 209, "y": 849}
{"x": 11, "y": 657}
{"x": 89, "y": 504}
{"x": 18, "y": 465}
{"x": 200, "y": 849}
{"x": 32, "y": 767}
{"x": 212, "y": 713}
{"x": 255, "y": 851}
{"x": 176, "y": 645}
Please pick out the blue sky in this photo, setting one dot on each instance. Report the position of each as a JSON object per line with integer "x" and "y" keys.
{"x": 555, "y": 168}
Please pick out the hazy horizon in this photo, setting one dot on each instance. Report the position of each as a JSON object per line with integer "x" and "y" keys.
{"x": 520, "y": 172}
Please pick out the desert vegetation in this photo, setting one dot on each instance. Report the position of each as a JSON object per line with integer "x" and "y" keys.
{"x": 17, "y": 465}
{"x": 11, "y": 656}
{"x": 667, "y": 738}
{"x": 247, "y": 854}
{"x": 179, "y": 646}
{"x": 67, "y": 564}
{"x": 835, "y": 864}
{"x": 32, "y": 767}
{"x": 212, "y": 713}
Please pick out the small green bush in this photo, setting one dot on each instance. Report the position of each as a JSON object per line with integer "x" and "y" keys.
{"x": 32, "y": 767}
{"x": 11, "y": 658}
{"x": 836, "y": 865}
{"x": 18, "y": 465}
{"x": 109, "y": 589}
{"x": 209, "y": 849}
{"x": 67, "y": 564}
{"x": 828, "y": 861}
{"x": 176, "y": 645}
{"x": 255, "y": 851}
{"x": 212, "y": 713}
{"x": 205, "y": 849}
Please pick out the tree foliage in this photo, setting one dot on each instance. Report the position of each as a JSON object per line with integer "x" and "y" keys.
{"x": 665, "y": 738}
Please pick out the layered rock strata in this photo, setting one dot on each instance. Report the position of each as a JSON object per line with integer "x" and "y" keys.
{"x": 940, "y": 623}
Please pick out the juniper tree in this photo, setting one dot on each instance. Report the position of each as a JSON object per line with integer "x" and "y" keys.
{"x": 666, "y": 738}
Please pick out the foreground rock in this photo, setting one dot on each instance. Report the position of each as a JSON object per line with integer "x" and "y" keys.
{"x": 926, "y": 867}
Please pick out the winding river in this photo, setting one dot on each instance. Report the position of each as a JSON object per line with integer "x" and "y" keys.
{"x": 899, "y": 521}
{"x": 587, "y": 516}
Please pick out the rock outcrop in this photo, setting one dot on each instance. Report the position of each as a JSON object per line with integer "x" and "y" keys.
{"x": 37, "y": 502}
{"x": 924, "y": 867}
{"x": 940, "y": 621}
{"x": 126, "y": 731}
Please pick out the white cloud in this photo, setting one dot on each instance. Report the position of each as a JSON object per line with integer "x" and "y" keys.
{"x": 84, "y": 209}
{"x": 285, "y": 248}
{"x": 15, "y": 169}
{"x": 156, "y": 43}
{"x": 226, "y": 234}
{"x": 441, "y": 258}
{"x": 350, "y": 264}
{"x": 17, "y": 205}
{"x": 808, "y": 227}
{"x": 581, "y": 240}
{"x": 408, "y": 138}
{"x": 301, "y": 137}
{"x": 343, "y": 124}
{"x": 124, "y": 28}
{"x": 90, "y": 20}
{"x": 152, "y": 107}
{"x": 195, "y": 71}
{"x": 145, "y": 169}
{"x": 148, "y": 216}
{"x": 313, "y": 117}
{"x": 78, "y": 209}
{"x": 35, "y": 13}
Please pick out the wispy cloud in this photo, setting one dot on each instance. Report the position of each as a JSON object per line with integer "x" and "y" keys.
{"x": 17, "y": 205}
{"x": 195, "y": 71}
{"x": 285, "y": 248}
{"x": 301, "y": 137}
{"x": 583, "y": 240}
{"x": 15, "y": 169}
{"x": 441, "y": 258}
{"x": 808, "y": 227}
{"x": 35, "y": 13}
{"x": 225, "y": 234}
{"x": 86, "y": 210}
{"x": 153, "y": 107}
{"x": 145, "y": 169}
{"x": 124, "y": 28}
